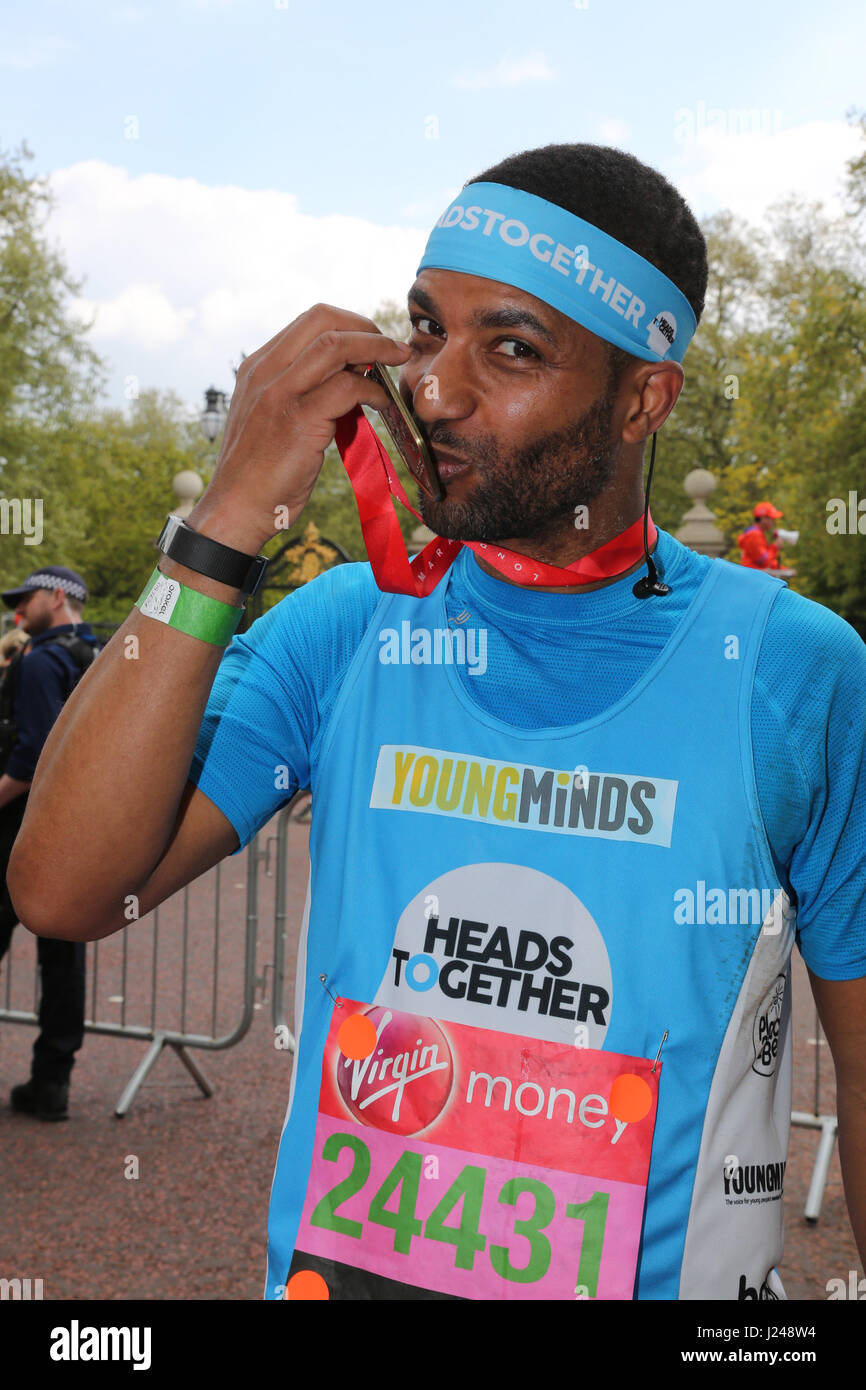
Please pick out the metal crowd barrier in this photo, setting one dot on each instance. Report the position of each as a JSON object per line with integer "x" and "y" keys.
{"x": 281, "y": 886}
{"x": 828, "y": 1125}
{"x": 134, "y": 964}
{"x": 139, "y": 959}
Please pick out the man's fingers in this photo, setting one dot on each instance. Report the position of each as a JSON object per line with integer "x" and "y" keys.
{"x": 334, "y": 350}
{"x": 281, "y": 350}
{"x": 324, "y": 405}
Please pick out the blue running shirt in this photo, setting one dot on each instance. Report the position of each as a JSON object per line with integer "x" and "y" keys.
{"x": 606, "y": 819}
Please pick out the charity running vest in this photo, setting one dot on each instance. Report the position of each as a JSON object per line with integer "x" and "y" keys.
{"x": 502, "y": 926}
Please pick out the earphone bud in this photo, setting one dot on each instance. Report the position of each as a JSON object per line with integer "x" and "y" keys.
{"x": 649, "y": 584}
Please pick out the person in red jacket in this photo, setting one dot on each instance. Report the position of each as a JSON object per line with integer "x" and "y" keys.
{"x": 757, "y": 542}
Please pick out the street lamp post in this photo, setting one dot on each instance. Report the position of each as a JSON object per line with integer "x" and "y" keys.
{"x": 187, "y": 484}
{"x": 214, "y": 414}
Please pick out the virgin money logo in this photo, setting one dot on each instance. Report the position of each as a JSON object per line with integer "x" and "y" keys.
{"x": 404, "y": 1084}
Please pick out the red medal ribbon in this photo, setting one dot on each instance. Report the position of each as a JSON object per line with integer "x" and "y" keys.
{"x": 375, "y": 483}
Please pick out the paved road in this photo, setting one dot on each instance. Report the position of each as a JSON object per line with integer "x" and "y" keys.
{"x": 192, "y": 1223}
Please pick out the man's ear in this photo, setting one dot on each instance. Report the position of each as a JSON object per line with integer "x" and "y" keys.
{"x": 656, "y": 388}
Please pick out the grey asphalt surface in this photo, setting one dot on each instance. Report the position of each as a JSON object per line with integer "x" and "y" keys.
{"x": 192, "y": 1223}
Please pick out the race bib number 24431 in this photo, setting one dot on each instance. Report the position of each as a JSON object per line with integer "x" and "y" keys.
{"x": 453, "y": 1161}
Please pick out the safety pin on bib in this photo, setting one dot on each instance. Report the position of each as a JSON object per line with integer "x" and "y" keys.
{"x": 659, "y": 1053}
{"x": 324, "y": 981}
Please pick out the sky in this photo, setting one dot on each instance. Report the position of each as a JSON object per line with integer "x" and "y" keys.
{"x": 218, "y": 166}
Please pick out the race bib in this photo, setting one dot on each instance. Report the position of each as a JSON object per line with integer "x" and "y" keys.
{"x": 459, "y": 1162}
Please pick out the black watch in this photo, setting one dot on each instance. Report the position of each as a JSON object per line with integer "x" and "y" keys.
{"x": 210, "y": 558}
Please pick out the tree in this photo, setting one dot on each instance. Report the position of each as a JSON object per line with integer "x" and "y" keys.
{"x": 775, "y": 392}
{"x": 105, "y": 482}
{"x": 50, "y": 373}
{"x": 699, "y": 432}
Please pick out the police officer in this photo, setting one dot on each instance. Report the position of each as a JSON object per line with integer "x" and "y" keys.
{"x": 36, "y": 685}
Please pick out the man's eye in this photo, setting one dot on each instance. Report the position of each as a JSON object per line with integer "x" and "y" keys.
{"x": 418, "y": 322}
{"x": 525, "y": 350}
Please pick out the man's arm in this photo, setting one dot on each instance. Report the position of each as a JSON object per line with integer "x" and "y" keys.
{"x": 43, "y": 682}
{"x": 109, "y": 813}
{"x": 842, "y": 1010}
{"x": 10, "y": 788}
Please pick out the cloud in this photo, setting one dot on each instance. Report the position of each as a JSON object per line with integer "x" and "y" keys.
{"x": 180, "y": 277}
{"x": 141, "y": 314}
{"x": 509, "y": 72}
{"x": 39, "y": 52}
{"x": 747, "y": 160}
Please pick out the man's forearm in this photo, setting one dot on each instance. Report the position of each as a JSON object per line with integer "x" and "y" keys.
{"x": 851, "y": 1112}
{"x": 10, "y": 788}
{"x": 108, "y": 785}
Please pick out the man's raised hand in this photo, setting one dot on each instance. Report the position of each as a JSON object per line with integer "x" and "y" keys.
{"x": 287, "y": 400}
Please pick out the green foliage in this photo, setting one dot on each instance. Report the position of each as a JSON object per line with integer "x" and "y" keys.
{"x": 50, "y": 373}
{"x": 775, "y": 392}
{"x": 106, "y": 488}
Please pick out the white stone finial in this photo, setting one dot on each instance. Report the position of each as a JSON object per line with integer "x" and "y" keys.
{"x": 188, "y": 486}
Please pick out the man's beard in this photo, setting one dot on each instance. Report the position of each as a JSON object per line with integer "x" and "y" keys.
{"x": 532, "y": 492}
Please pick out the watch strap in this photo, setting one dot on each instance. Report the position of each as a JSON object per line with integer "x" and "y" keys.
{"x": 211, "y": 558}
{"x": 198, "y": 615}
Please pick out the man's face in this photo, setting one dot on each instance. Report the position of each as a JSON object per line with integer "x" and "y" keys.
{"x": 517, "y": 404}
{"x": 767, "y": 525}
{"x": 36, "y": 611}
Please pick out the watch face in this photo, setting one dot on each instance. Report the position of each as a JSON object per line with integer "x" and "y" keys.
{"x": 169, "y": 531}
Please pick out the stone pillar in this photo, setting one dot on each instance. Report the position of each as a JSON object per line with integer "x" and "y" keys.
{"x": 188, "y": 486}
{"x": 699, "y": 530}
{"x": 420, "y": 537}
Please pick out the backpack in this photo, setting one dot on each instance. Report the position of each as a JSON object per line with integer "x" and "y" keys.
{"x": 83, "y": 654}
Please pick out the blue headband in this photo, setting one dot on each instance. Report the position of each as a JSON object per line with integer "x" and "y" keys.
{"x": 504, "y": 234}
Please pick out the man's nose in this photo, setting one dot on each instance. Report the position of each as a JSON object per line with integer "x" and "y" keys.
{"x": 445, "y": 390}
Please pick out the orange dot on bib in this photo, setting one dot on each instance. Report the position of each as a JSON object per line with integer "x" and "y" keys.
{"x": 306, "y": 1284}
{"x": 630, "y": 1098}
{"x": 356, "y": 1037}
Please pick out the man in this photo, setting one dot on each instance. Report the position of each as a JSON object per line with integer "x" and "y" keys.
{"x": 758, "y": 541}
{"x": 550, "y": 912}
{"x": 48, "y": 607}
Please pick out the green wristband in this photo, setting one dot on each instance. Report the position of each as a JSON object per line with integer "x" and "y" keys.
{"x": 187, "y": 610}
